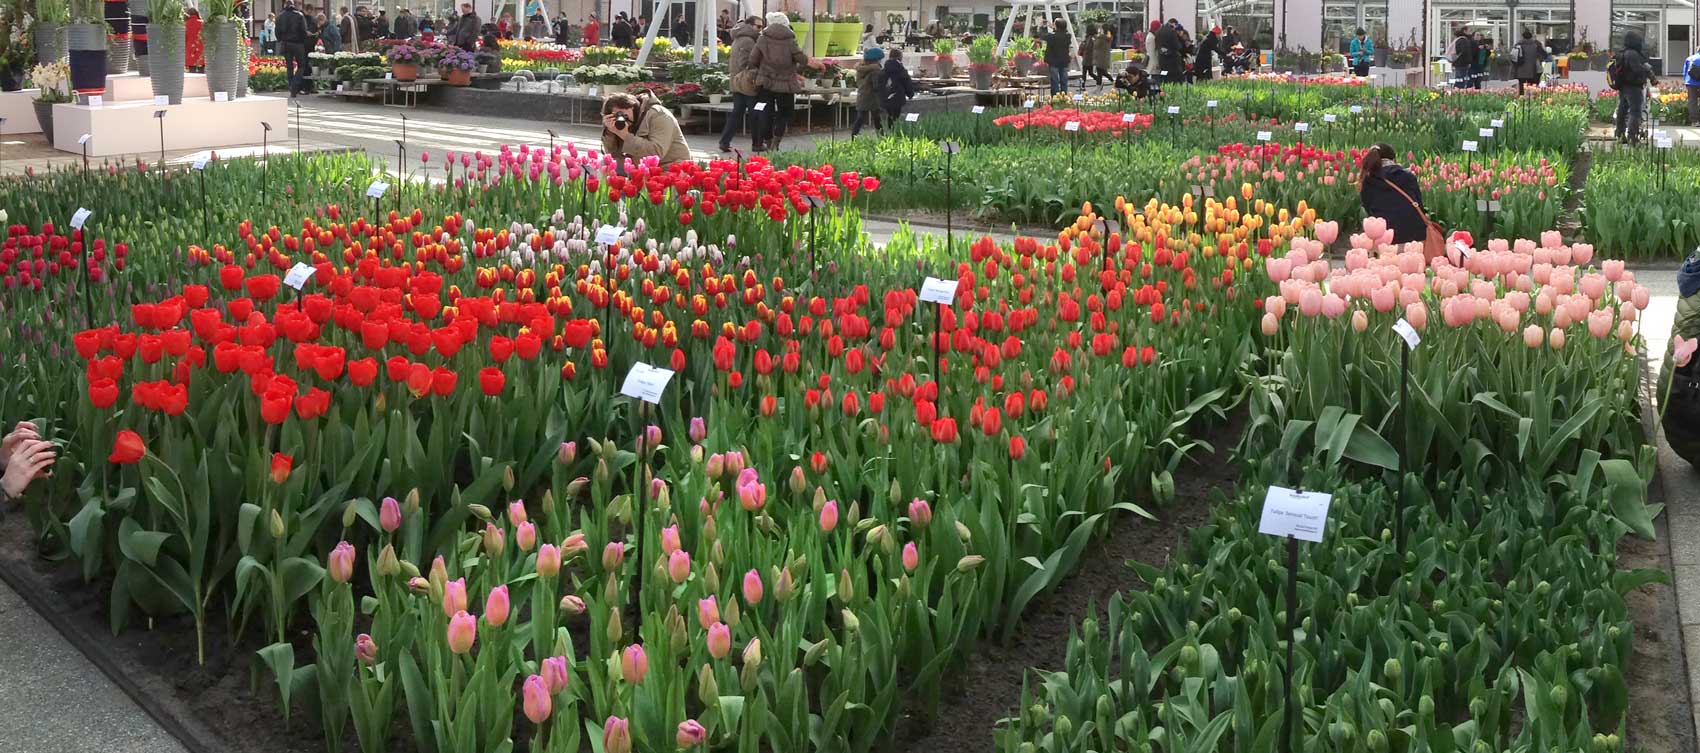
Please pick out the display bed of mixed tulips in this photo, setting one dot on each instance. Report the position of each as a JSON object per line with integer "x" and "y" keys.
{"x": 412, "y": 489}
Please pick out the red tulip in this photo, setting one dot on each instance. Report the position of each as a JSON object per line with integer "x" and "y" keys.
{"x": 127, "y": 448}
{"x": 281, "y": 465}
{"x": 103, "y": 393}
{"x": 490, "y": 379}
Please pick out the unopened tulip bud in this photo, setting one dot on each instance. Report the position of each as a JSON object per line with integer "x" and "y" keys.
{"x": 575, "y": 488}
{"x": 482, "y": 513}
{"x": 752, "y": 653}
{"x": 389, "y": 515}
{"x": 508, "y": 478}
{"x": 708, "y": 690}
{"x": 350, "y": 513}
{"x": 711, "y": 578}
{"x": 963, "y": 533}
{"x": 567, "y": 453}
{"x": 548, "y": 561}
{"x": 410, "y": 504}
{"x": 574, "y": 545}
{"x": 782, "y": 586}
{"x": 698, "y": 429}
{"x": 969, "y": 562}
{"x": 846, "y": 589}
{"x": 911, "y": 557}
{"x": 616, "y": 736}
{"x": 717, "y": 553}
{"x": 418, "y": 586}
{"x": 696, "y": 454}
{"x": 634, "y": 664}
{"x": 613, "y": 554}
{"x": 719, "y": 641}
{"x": 365, "y": 649}
{"x": 614, "y": 632}
{"x": 813, "y": 653}
{"x": 690, "y": 734}
{"x": 716, "y": 466}
{"x": 572, "y": 605}
{"x": 752, "y": 588}
{"x": 525, "y": 536}
{"x": 851, "y": 624}
{"x": 920, "y": 513}
{"x": 896, "y": 492}
{"x": 439, "y": 576}
{"x": 497, "y": 606}
{"x": 494, "y": 540}
{"x": 278, "y": 529}
{"x": 679, "y": 566}
{"x": 798, "y": 483}
{"x": 463, "y": 630}
{"x": 602, "y": 472}
{"x": 610, "y": 589}
{"x": 387, "y": 563}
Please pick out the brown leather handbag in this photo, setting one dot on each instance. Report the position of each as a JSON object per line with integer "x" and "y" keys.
{"x": 1434, "y": 244}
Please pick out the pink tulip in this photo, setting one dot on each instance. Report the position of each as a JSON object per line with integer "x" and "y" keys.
{"x": 1625, "y": 331}
{"x": 574, "y": 545}
{"x": 1556, "y": 339}
{"x": 920, "y": 514}
{"x": 708, "y": 611}
{"x": 1360, "y": 321}
{"x": 1278, "y": 269}
{"x": 1599, "y": 323}
{"x": 1310, "y": 302}
{"x": 1581, "y": 253}
{"x": 526, "y": 536}
{"x": 463, "y": 630}
{"x": 1328, "y": 232}
{"x": 389, "y": 515}
{"x": 616, "y": 736}
{"x": 613, "y": 554}
{"x": 752, "y": 588}
{"x": 1333, "y": 306}
{"x": 1382, "y": 298}
{"x": 494, "y": 539}
{"x": 1552, "y": 239}
{"x": 634, "y": 664}
{"x": 670, "y": 540}
{"x": 555, "y": 673}
{"x": 454, "y": 596}
{"x": 698, "y": 429}
{"x": 679, "y": 566}
{"x": 1641, "y": 297}
{"x": 911, "y": 557}
{"x": 829, "y": 516}
{"x": 1275, "y": 305}
{"x": 340, "y": 563}
{"x": 1682, "y": 350}
{"x": 1357, "y": 258}
{"x": 1533, "y": 335}
{"x": 365, "y": 649}
{"x": 1417, "y": 314}
{"x": 516, "y": 512}
{"x": 1507, "y": 318}
{"x": 567, "y": 453}
{"x": 1613, "y": 269}
{"x": 1271, "y": 325}
{"x": 537, "y": 700}
{"x": 1375, "y": 227}
{"x": 548, "y": 561}
{"x": 719, "y": 640}
{"x": 497, "y": 606}
{"x": 691, "y": 734}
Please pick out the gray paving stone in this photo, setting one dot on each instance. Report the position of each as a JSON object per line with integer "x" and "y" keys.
{"x": 1688, "y": 594}
{"x": 1685, "y": 538}
{"x": 9, "y": 599}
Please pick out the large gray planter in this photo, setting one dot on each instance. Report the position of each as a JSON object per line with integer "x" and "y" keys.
{"x": 139, "y": 28}
{"x": 223, "y": 57}
{"x": 118, "y": 56}
{"x": 49, "y": 42}
{"x": 166, "y": 58}
{"x": 118, "y": 53}
{"x": 981, "y": 78}
{"x": 86, "y": 47}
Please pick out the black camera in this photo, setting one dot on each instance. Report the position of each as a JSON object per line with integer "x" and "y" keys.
{"x": 621, "y": 122}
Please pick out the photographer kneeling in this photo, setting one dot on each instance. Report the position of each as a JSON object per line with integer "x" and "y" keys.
{"x": 639, "y": 127}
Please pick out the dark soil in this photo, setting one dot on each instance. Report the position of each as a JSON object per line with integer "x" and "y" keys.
{"x": 988, "y": 688}
{"x": 1660, "y": 719}
{"x": 227, "y": 704}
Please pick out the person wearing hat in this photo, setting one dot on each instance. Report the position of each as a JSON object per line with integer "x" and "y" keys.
{"x": 1238, "y": 60}
{"x": 1361, "y": 51}
{"x": 1171, "y": 65}
{"x": 869, "y": 78}
{"x": 743, "y": 85}
{"x": 1204, "y": 66}
{"x": 775, "y": 59}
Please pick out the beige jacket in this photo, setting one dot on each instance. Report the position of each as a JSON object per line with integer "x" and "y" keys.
{"x": 657, "y": 133}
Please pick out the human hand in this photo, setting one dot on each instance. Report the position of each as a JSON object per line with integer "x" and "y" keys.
{"x": 614, "y": 127}
{"x": 23, "y": 431}
{"x": 30, "y": 460}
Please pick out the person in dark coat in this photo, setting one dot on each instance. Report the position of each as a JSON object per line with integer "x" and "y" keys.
{"x": 1059, "y": 51}
{"x": 622, "y": 33}
{"x": 1527, "y": 58}
{"x": 292, "y": 43}
{"x": 868, "y": 79}
{"x": 466, "y": 29}
{"x": 743, "y": 86}
{"x": 1134, "y": 82}
{"x": 1634, "y": 73}
{"x": 1171, "y": 66}
{"x": 1204, "y": 66}
{"x": 1462, "y": 56}
{"x": 898, "y": 88}
{"x": 406, "y": 24}
{"x": 775, "y": 59}
{"x": 1379, "y": 187}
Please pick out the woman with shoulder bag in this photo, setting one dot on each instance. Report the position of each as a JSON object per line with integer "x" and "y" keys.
{"x": 1389, "y": 191}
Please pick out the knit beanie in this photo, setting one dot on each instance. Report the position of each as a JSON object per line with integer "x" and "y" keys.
{"x": 873, "y": 55}
{"x": 778, "y": 19}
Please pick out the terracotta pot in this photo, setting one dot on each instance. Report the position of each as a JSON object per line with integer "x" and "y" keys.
{"x": 458, "y": 77}
{"x": 405, "y": 71}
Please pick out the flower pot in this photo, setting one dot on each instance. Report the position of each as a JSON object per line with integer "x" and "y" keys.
{"x": 714, "y": 99}
{"x": 1380, "y": 56}
{"x": 847, "y": 38}
{"x": 222, "y": 58}
{"x": 139, "y": 23}
{"x": 457, "y": 77}
{"x": 947, "y": 66}
{"x": 1023, "y": 65}
{"x": 405, "y": 71}
{"x": 981, "y": 78}
{"x": 86, "y": 47}
{"x": 1599, "y": 62}
{"x": 49, "y": 42}
{"x": 167, "y": 61}
{"x": 44, "y": 116}
{"x": 118, "y": 53}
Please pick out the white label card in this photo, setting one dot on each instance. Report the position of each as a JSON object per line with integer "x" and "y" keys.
{"x": 1174, "y": 109}
{"x": 83, "y": 139}
{"x": 1079, "y": 98}
{"x": 1301, "y": 127}
{"x": 979, "y": 109}
{"x": 1264, "y": 135}
{"x": 646, "y": 382}
{"x": 1469, "y": 146}
{"x": 1211, "y": 104}
{"x": 911, "y": 117}
{"x": 96, "y": 100}
{"x": 298, "y": 275}
{"x": 1408, "y": 332}
{"x": 162, "y": 101}
{"x": 1493, "y": 206}
{"x": 1464, "y": 252}
{"x": 1486, "y": 133}
{"x": 221, "y": 96}
{"x": 593, "y": 91}
{"x": 949, "y": 147}
{"x": 1497, "y": 122}
{"x": 1663, "y": 143}
{"x": 1329, "y": 118}
{"x": 1028, "y": 104}
{"x": 935, "y": 290}
{"x": 80, "y": 218}
{"x": 199, "y": 164}
{"x": 1209, "y": 192}
{"x": 1357, "y": 109}
{"x": 1295, "y": 514}
{"x": 1127, "y": 117}
{"x": 377, "y": 189}
{"x": 608, "y": 235}
{"x": 760, "y": 106}
{"x": 1072, "y": 125}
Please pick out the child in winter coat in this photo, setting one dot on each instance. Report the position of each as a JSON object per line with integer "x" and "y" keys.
{"x": 870, "y": 77}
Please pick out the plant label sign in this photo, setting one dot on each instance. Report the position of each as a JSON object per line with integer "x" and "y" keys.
{"x": 1497, "y": 122}
{"x": 221, "y": 96}
{"x": 646, "y": 382}
{"x": 1197, "y": 190}
{"x": 1663, "y": 143}
{"x": 199, "y": 164}
{"x": 377, "y": 189}
{"x": 1295, "y": 514}
{"x": 1210, "y": 191}
{"x": 814, "y": 202}
{"x": 1301, "y": 127}
{"x": 979, "y": 109}
{"x": 758, "y": 108}
{"x": 1469, "y": 146}
{"x": 298, "y": 275}
{"x": 935, "y": 290}
{"x": 1174, "y": 109}
{"x": 1211, "y": 104}
{"x": 1493, "y": 206}
{"x": 96, "y": 100}
{"x": 80, "y": 218}
{"x": 948, "y": 147}
{"x": 162, "y": 101}
{"x": 1463, "y": 252}
{"x": 1127, "y": 117}
{"x": 1264, "y": 135}
{"x": 1408, "y": 332}
{"x": 1028, "y": 104}
{"x": 1486, "y": 133}
{"x": 83, "y": 139}
{"x": 607, "y": 235}
{"x": 595, "y": 91}
{"x": 1072, "y": 125}
{"x": 1330, "y": 118}
{"x": 1357, "y": 109}
{"x": 912, "y": 117}
{"x": 1078, "y": 98}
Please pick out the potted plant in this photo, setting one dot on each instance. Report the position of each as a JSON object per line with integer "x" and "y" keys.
{"x": 141, "y": 17}
{"x": 404, "y": 62}
{"x": 49, "y": 31}
{"x": 456, "y": 67}
{"x": 166, "y": 38}
{"x": 1379, "y": 57}
{"x": 85, "y": 42}
{"x": 944, "y": 51}
{"x": 1022, "y": 53}
{"x": 52, "y": 82}
{"x": 849, "y": 35}
{"x": 983, "y": 61}
{"x": 714, "y": 86}
{"x": 221, "y": 33}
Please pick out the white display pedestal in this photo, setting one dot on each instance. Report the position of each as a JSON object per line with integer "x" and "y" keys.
{"x": 130, "y": 127}
{"x": 1594, "y": 80}
{"x": 18, "y": 108}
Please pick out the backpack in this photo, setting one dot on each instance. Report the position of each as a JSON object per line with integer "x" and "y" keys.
{"x": 1694, "y": 71}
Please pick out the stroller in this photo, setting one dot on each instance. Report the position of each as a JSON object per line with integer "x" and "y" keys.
{"x": 1682, "y": 403}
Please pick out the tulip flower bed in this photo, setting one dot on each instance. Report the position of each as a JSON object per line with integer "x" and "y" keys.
{"x": 420, "y": 458}
{"x": 1642, "y": 203}
{"x": 1485, "y": 611}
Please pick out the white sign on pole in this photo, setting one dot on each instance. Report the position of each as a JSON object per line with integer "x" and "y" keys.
{"x": 1464, "y": 252}
{"x": 948, "y": 147}
{"x": 1072, "y": 125}
{"x": 80, "y": 218}
{"x": 298, "y": 275}
{"x": 96, "y": 100}
{"x": 1329, "y": 118}
{"x": 1028, "y": 104}
{"x": 199, "y": 164}
{"x": 608, "y": 235}
{"x": 1174, "y": 109}
{"x": 646, "y": 382}
{"x": 1296, "y": 514}
{"x": 1211, "y": 104}
{"x": 162, "y": 101}
{"x": 1264, "y": 135}
{"x": 1486, "y": 133}
{"x": 1408, "y": 332}
{"x": 979, "y": 109}
{"x": 1469, "y": 146}
{"x": 912, "y": 117}
{"x": 760, "y": 106}
{"x": 221, "y": 96}
{"x": 1497, "y": 122}
{"x": 377, "y": 189}
{"x": 1127, "y": 117}
{"x": 935, "y": 290}
{"x": 1357, "y": 109}
{"x": 83, "y": 139}
{"x": 1301, "y": 127}
{"x": 1078, "y": 98}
